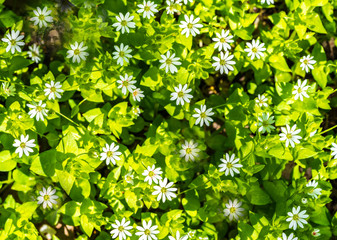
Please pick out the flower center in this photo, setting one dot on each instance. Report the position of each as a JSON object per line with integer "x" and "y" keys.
{"x": 180, "y": 94}
{"x": 39, "y": 108}
{"x": 147, "y": 232}
{"x": 289, "y": 135}
{"x": 190, "y": 25}
{"x": 229, "y": 165}
{"x": 202, "y": 115}
{"x": 22, "y": 145}
{"x": 13, "y": 42}
{"x": 124, "y": 23}
{"x": 121, "y": 54}
{"x": 222, "y": 62}
{"x": 146, "y": 8}
{"x": 222, "y": 40}
{"x": 46, "y": 197}
{"x": 168, "y": 61}
{"x": 53, "y": 89}
{"x": 265, "y": 123}
{"x": 126, "y": 83}
{"x": 109, "y": 154}
{"x": 121, "y": 228}
{"x": 151, "y": 174}
{"x": 232, "y": 210}
{"x": 296, "y": 217}
{"x": 41, "y": 17}
{"x": 135, "y": 93}
{"x": 76, "y": 51}
{"x": 314, "y": 233}
{"x": 163, "y": 190}
{"x": 188, "y": 150}
{"x": 305, "y": 61}
{"x": 254, "y": 50}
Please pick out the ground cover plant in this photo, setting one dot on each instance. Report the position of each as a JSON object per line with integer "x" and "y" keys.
{"x": 176, "y": 119}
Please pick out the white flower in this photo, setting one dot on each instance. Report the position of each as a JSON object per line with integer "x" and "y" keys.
{"x": 126, "y": 83}
{"x": 315, "y": 232}
{"x": 121, "y": 229}
{"x": 290, "y": 135}
{"x": 152, "y": 174}
{"x": 178, "y": 237}
{"x": 136, "y": 111}
{"x": 164, "y": 190}
{"x": 229, "y": 165}
{"x": 47, "y": 197}
{"x": 222, "y": 40}
{"x": 202, "y": 115}
{"x": 297, "y": 218}
{"x": 169, "y": 61}
{"x": 122, "y": 54}
{"x": 255, "y": 49}
{"x": 190, "y": 234}
{"x": 147, "y": 8}
{"x": 189, "y": 151}
{"x": 269, "y": 2}
{"x": 181, "y": 94}
{"x": 8, "y": 90}
{"x": 53, "y": 89}
{"x": 223, "y": 63}
{"x": 77, "y": 52}
{"x": 186, "y": 1}
{"x": 47, "y": 231}
{"x": 233, "y": 209}
{"x": 261, "y": 101}
{"x": 172, "y": 6}
{"x": 42, "y": 17}
{"x": 284, "y": 237}
{"x": 307, "y": 62}
{"x": 300, "y": 90}
{"x": 190, "y": 26}
{"x": 265, "y": 123}
{"x": 124, "y": 22}
{"x": 314, "y": 192}
{"x": 24, "y": 145}
{"x": 304, "y": 200}
{"x": 110, "y": 153}
{"x": 14, "y": 41}
{"x": 313, "y": 133}
{"x": 147, "y": 232}
{"x": 129, "y": 177}
{"x": 334, "y": 150}
{"x": 37, "y": 110}
{"x": 137, "y": 94}
{"x": 34, "y": 53}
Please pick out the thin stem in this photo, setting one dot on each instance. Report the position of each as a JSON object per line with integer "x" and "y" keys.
{"x": 328, "y": 130}
{"x": 62, "y": 115}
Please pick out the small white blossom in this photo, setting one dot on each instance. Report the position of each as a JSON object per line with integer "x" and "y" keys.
{"x": 47, "y": 231}
{"x": 34, "y": 53}
{"x": 47, "y": 197}
{"x": 261, "y": 101}
{"x": 315, "y": 232}
{"x": 126, "y": 83}
{"x": 290, "y": 135}
{"x": 8, "y": 89}
{"x": 137, "y": 94}
{"x": 147, "y": 232}
{"x": 304, "y": 200}
{"x": 14, "y": 41}
{"x": 230, "y": 165}
{"x": 152, "y": 174}
{"x": 203, "y": 115}
{"x": 122, "y": 54}
{"x": 124, "y": 22}
{"x": 255, "y": 49}
{"x": 191, "y": 233}
{"x": 172, "y": 6}
{"x": 265, "y": 123}
{"x": 136, "y": 111}
{"x": 284, "y": 237}
{"x": 233, "y": 209}
{"x": 224, "y": 63}
{"x": 178, "y": 237}
{"x": 121, "y": 229}
{"x": 334, "y": 150}
{"x": 110, "y": 153}
{"x": 169, "y": 61}
{"x": 315, "y": 191}
{"x": 189, "y": 150}
{"x": 38, "y": 110}
{"x": 181, "y": 94}
{"x": 307, "y": 62}
{"x": 77, "y": 52}
{"x": 53, "y": 89}
{"x": 165, "y": 190}
{"x": 269, "y": 2}
{"x": 190, "y": 26}
{"x": 24, "y": 145}
{"x": 300, "y": 90}
{"x": 297, "y": 218}
{"x": 148, "y": 9}
{"x": 129, "y": 177}
{"x": 222, "y": 40}
{"x": 42, "y": 17}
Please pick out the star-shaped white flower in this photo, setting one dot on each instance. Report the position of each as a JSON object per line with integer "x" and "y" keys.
{"x": 300, "y": 90}
{"x": 34, "y": 53}
{"x": 38, "y": 110}
{"x": 290, "y": 135}
{"x": 147, "y": 232}
{"x": 53, "y": 89}
{"x": 229, "y": 165}
{"x": 14, "y": 41}
{"x": 165, "y": 190}
{"x": 265, "y": 123}
{"x": 334, "y": 150}
{"x": 233, "y": 209}
{"x": 148, "y": 9}
{"x": 137, "y": 95}
{"x": 255, "y": 49}
{"x": 77, "y": 52}
{"x": 42, "y": 17}
{"x": 110, "y": 153}
{"x": 284, "y": 237}
{"x": 223, "y": 63}
{"x": 189, "y": 150}
{"x": 172, "y": 6}
{"x": 315, "y": 191}
{"x": 169, "y": 61}
{"x": 8, "y": 89}
{"x": 136, "y": 111}
{"x": 261, "y": 101}
{"x": 122, "y": 54}
{"x": 190, "y": 25}
{"x": 222, "y": 40}
{"x": 178, "y": 237}
{"x": 24, "y": 145}
{"x": 152, "y": 174}
{"x": 307, "y": 62}
{"x": 121, "y": 229}
{"x": 203, "y": 115}
{"x": 181, "y": 94}
{"x": 47, "y": 197}
{"x": 124, "y": 22}
{"x": 126, "y": 83}
{"x": 297, "y": 218}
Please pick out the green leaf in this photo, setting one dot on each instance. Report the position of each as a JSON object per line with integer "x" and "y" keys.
{"x": 6, "y": 162}
{"x": 257, "y": 196}
{"x": 66, "y": 180}
{"x": 314, "y": 23}
{"x": 278, "y": 62}
{"x": 191, "y": 203}
{"x": 86, "y": 225}
{"x": 131, "y": 199}
{"x": 18, "y": 63}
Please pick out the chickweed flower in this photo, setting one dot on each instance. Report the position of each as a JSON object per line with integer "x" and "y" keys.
{"x": 121, "y": 229}
{"x": 178, "y": 237}
{"x": 126, "y": 83}
{"x": 129, "y": 177}
{"x": 14, "y": 41}
{"x": 47, "y": 197}
{"x": 42, "y": 17}
{"x": 169, "y": 61}
{"x": 315, "y": 232}
{"x": 261, "y": 101}
{"x": 148, "y": 9}
{"x": 152, "y": 174}
{"x": 181, "y": 94}
{"x": 315, "y": 191}
{"x": 307, "y": 62}
{"x": 24, "y": 145}
{"x": 39, "y": 110}
{"x": 172, "y": 6}
{"x": 265, "y": 123}
{"x": 334, "y": 150}
{"x": 147, "y": 231}
{"x": 190, "y": 26}
{"x": 189, "y": 150}
{"x": 255, "y": 49}
{"x": 8, "y": 89}
{"x": 53, "y": 89}
{"x": 110, "y": 153}
{"x": 124, "y": 22}
{"x": 230, "y": 165}
{"x": 136, "y": 111}
{"x": 164, "y": 190}
{"x": 34, "y": 53}
{"x": 297, "y": 218}
{"x": 284, "y": 237}
{"x": 77, "y": 52}
{"x": 290, "y": 135}
{"x": 122, "y": 54}
{"x": 203, "y": 115}
{"x": 223, "y": 63}
{"x": 233, "y": 209}
{"x": 137, "y": 94}
{"x": 300, "y": 90}
{"x": 222, "y": 40}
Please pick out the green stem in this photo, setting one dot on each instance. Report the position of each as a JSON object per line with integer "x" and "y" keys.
{"x": 328, "y": 130}
{"x": 62, "y": 115}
